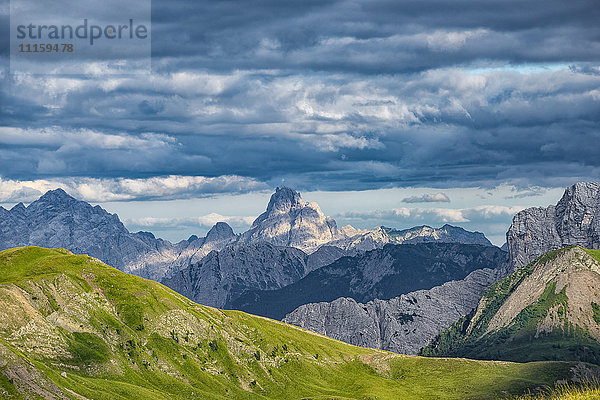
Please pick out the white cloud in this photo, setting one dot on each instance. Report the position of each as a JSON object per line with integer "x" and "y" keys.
{"x": 205, "y": 221}
{"x": 445, "y": 215}
{"x": 333, "y": 142}
{"x": 125, "y": 189}
{"x": 451, "y": 40}
{"x": 70, "y": 139}
{"x": 428, "y": 198}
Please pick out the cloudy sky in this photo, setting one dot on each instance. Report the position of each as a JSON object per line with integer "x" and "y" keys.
{"x": 385, "y": 112}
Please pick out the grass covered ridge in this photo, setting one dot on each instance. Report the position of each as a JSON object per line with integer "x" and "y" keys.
{"x": 521, "y": 339}
{"x": 71, "y": 325}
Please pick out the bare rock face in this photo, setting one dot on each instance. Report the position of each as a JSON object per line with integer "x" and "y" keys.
{"x": 377, "y": 274}
{"x": 221, "y": 276}
{"x": 575, "y": 220}
{"x": 289, "y": 221}
{"x": 403, "y": 324}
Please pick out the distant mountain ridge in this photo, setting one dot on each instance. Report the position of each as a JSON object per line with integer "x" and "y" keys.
{"x": 369, "y": 239}
{"x": 57, "y": 219}
{"x": 377, "y": 274}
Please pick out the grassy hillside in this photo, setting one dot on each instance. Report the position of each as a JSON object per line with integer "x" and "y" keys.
{"x": 547, "y": 310}
{"x": 72, "y": 327}
{"x": 585, "y": 391}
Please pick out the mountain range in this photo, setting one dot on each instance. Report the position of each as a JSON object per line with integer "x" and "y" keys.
{"x": 71, "y": 326}
{"x": 294, "y": 256}
{"x": 377, "y": 274}
{"x": 400, "y": 324}
{"x": 57, "y": 219}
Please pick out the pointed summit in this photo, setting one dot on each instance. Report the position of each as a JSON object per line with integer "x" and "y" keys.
{"x": 18, "y": 208}
{"x": 289, "y": 221}
{"x": 56, "y": 196}
{"x": 586, "y": 194}
{"x": 221, "y": 231}
{"x": 284, "y": 200}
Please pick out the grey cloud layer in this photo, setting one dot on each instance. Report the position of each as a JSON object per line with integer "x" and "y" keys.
{"x": 442, "y": 127}
{"x": 331, "y": 95}
{"x": 375, "y": 36}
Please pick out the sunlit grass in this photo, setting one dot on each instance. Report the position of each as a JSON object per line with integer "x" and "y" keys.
{"x": 567, "y": 391}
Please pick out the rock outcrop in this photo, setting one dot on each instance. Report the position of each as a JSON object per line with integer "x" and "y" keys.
{"x": 377, "y": 274}
{"x": 575, "y": 220}
{"x": 403, "y": 324}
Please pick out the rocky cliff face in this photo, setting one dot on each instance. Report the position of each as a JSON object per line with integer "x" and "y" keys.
{"x": 403, "y": 324}
{"x": 59, "y": 220}
{"x": 289, "y": 221}
{"x": 575, "y": 220}
{"x": 220, "y": 277}
{"x": 377, "y": 274}
{"x": 551, "y": 307}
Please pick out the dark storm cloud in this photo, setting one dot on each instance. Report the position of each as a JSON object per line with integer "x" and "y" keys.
{"x": 332, "y": 95}
{"x": 374, "y": 36}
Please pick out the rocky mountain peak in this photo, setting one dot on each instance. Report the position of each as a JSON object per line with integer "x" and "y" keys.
{"x": 284, "y": 200}
{"x": 18, "y": 209}
{"x": 57, "y": 196}
{"x": 575, "y": 220}
{"x": 584, "y": 193}
{"x": 579, "y": 204}
{"x": 289, "y": 221}
{"x": 221, "y": 231}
